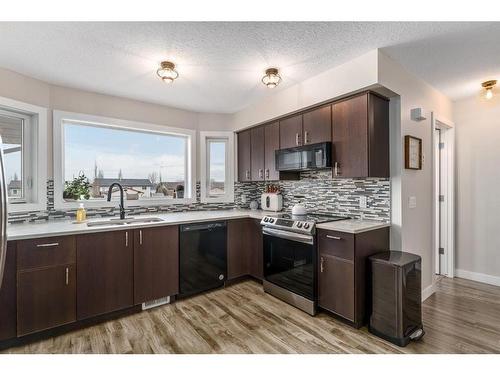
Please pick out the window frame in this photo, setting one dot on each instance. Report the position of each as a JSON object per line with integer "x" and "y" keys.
{"x": 62, "y": 117}
{"x": 205, "y": 137}
{"x": 34, "y": 155}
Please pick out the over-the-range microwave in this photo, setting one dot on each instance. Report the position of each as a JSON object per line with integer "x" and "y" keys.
{"x": 306, "y": 157}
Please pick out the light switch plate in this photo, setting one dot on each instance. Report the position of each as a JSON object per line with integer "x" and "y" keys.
{"x": 412, "y": 202}
{"x": 362, "y": 202}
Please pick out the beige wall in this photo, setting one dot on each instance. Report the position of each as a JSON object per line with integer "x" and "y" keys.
{"x": 32, "y": 91}
{"x": 414, "y": 225}
{"x": 478, "y": 185}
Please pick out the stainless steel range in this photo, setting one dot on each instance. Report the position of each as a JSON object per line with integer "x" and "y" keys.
{"x": 290, "y": 257}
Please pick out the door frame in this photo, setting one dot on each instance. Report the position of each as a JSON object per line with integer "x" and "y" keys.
{"x": 447, "y": 129}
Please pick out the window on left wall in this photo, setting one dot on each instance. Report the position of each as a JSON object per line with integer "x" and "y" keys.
{"x": 23, "y": 144}
{"x": 152, "y": 163}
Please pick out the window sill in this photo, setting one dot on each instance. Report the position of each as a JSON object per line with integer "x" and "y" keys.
{"x": 26, "y": 207}
{"x": 224, "y": 199}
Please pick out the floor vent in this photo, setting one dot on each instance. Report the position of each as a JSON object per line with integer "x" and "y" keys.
{"x": 155, "y": 303}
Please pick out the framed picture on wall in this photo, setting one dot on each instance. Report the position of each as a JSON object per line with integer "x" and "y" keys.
{"x": 413, "y": 152}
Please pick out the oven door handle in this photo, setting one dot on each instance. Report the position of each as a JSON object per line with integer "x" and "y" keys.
{"x": 304, "y": 238}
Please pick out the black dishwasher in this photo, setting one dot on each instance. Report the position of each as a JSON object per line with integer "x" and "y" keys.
{"x": 202, "y": 257}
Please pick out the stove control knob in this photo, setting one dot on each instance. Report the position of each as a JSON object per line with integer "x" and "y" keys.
{"x": 306, "y": 225}
{"x": 271, "y": 221}
{"x": 299, "y": 225}
{"x": 266, "y": 219}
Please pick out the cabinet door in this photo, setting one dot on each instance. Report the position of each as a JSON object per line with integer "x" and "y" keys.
{"x": 46, "y": 298}
{"x": 244, "y": 163}
{"x": 318, "y": 125}
{"x": 256, "y": 249}
{"x": 156, "y": 263}
{"x": 350, "y": 137}
{"x": 291, "y": 132}
{"x": 238, "y": 244}
{"x": 8, "y": 295}
{"x": 336, "y": 285}
{"x": 105, "y": 272}
{"x": 272, "y": 143}
{"x": 257, "y": 153}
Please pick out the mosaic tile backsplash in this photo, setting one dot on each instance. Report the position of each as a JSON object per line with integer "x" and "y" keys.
{"x": 317, "y": 190}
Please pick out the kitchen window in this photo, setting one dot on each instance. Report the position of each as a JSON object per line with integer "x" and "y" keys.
{"x": 23, "y": 133}
{"x": 153, "y": 163}
{"x": 217, "y": 154}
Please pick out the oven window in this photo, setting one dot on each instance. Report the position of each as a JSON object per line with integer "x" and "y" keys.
{"x": 290, "y": 265}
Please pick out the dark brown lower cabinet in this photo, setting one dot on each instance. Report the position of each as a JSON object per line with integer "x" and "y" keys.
{"x": 244, "y": 248}
{"x": 46, "y": 298}
{"x": 105, "y": 274}
{"x": 344, "y": 276}
{"x": 156, "y": 263}
{"x": 8, "y": 304}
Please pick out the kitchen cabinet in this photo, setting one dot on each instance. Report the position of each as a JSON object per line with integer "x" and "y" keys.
{"x": 156, "y": 263}
{"x": 317, "y": 125}
{"x": 244, "y": 156}
{"x": 46, "y": 283}
{"x": 8, "y": 295}
{"x": 244, "y": 248}
{"x": 271, "y": 144}
{"x": 343, "y": 284}
{"x": 105, "y": 272}
{"x": 291, "y": 132}
{"x": 257, "y": 148}
{"x": 360, "y": 136}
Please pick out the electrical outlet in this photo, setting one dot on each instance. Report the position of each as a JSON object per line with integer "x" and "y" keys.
{"x": 243, "y": 198}
{"x": 412, "y": 202}
{"x": 362, "y": 201}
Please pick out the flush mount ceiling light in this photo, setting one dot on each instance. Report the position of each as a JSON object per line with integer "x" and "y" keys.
{"x": 167, "y": 72}
{"x": 272, "y": 78}
{"x": 488, "y": 86}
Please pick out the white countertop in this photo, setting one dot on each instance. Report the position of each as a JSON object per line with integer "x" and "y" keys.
{"x": 63, "y": 227}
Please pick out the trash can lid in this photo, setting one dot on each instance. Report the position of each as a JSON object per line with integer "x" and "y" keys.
{"x": 395, "y": 258}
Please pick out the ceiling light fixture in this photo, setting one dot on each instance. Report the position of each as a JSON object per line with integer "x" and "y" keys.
{"x": 272, "y": 78}
{"x": 167, "y": 72}
{"x": 488, "y": 86}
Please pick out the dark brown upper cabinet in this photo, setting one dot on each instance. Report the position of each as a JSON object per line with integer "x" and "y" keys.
{"x": 46, "y": 283}
{"x": 317, "y": 125}
{"x": 156, "y": 263}
{"x": 291, "y": 132}
{"x": 257, "y": 148}
{"x": 244, "y": 156}
{"x": 272, "y": 143}
{"x": 360, "y": 136}
{"x": 105, "y": 272}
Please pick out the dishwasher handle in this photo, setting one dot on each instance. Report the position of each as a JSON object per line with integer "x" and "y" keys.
{"x": 203, "y": 226}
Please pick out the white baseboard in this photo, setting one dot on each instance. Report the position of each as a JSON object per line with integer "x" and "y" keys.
{"x": 429, "y": 291}
{"x": 476, "y": 276}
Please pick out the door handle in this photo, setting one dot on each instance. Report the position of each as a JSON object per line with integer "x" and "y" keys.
{"x": 321, "y": 265}
{"x": 336, "y": 169}
{"x": 306, "y": 137}
{"x": 67, "y": 275}
{"x": 126, "y": 239}
{"x": 261, "y": 173}
{"x": 247, "y": 175}
{"x": 267, "y": 173}
{"x": 52, "y": 244}
{"x": 140, "y": 236}
{"x": 333, "y": 237}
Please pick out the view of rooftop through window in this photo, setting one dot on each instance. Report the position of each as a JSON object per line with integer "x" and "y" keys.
{"x": 217, "y": 167}
{"x": 148, "y": 165}
{"x": 11, "y": 131}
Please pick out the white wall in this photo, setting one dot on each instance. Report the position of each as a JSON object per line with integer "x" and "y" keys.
{"x": 33, "y": 91}
{"x": 478, "y": 188}
{"x": 415, "y": 226}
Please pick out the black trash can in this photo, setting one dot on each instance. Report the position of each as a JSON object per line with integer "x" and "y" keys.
{"x": 396, "y": 313}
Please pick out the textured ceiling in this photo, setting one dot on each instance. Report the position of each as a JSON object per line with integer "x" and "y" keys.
{"x": 221, "y": 64}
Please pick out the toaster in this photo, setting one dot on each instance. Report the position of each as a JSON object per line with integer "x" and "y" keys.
{"x": 271, "y": 202}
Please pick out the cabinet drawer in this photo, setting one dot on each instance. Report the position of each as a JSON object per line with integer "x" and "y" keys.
{"x": 338, "y": 244}
{"x": 44, "y": 252}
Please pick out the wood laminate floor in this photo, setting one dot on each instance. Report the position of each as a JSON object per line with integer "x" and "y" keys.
{"x": 461, "y": 317}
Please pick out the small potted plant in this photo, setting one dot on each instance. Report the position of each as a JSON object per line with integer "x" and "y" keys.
{"x": 78, "y": 188}
{"x": 179, "y": 191}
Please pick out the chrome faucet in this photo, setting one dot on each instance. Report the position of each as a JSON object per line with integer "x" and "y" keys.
{"x": 122, "y": 209}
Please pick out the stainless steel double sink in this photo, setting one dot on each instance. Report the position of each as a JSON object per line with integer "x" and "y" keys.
{"x": 129, "y": 220}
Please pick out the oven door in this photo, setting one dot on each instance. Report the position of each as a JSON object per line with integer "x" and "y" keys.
{"x": 290, "y": 261}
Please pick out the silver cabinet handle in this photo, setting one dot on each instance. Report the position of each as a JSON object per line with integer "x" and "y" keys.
{"x": 336, "y": 169}
{"x": 333, "y": 237}
{"x": 247, "y": 175}
{"x": 261, "y": 173}
{"x": 52, "y": 244}
{"x": 140, "y": 236}
{"x": 67, "y": 275}
{"x": 306, "y": 137}
{"x": 321, "y": 265}
{"x": 297, "y": 139}
{"x": 126, "y": 239}
{"x": 267, "y": 173}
